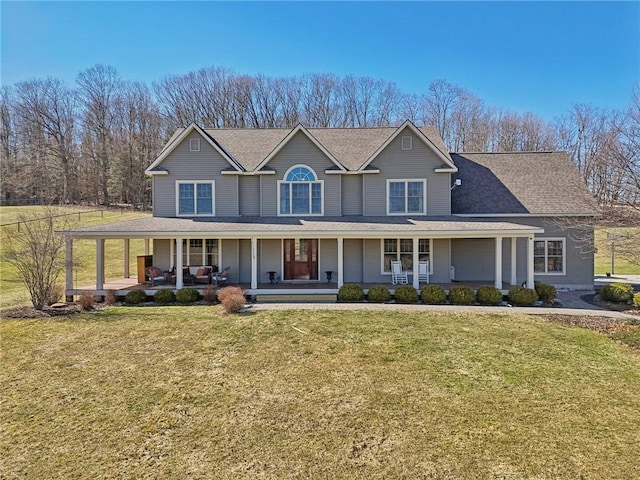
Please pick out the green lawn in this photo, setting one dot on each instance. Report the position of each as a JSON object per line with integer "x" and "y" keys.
{"x": 602, "y": 258}
{"x": 12, "y": 289}
{"x": 187, "y": 392}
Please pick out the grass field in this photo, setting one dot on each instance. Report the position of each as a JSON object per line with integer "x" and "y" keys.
{"x": 187, "y": 392}
{"x": 13, "y": 291}
{"x": 602, "y": 257}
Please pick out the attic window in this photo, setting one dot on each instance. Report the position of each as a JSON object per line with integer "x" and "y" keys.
{"x": 407, "y": 142}
{"x": 194, "y": 145}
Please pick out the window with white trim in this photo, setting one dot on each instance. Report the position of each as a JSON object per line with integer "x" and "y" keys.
{"x": 194, "y": 198}
{"x": 300, "y": 193}
{"x": 549, "y": 256}
{"x": 401, "y": 249}
{"x": 407, "y": 142}
{"x": 194, "y": 144}
{"x": 194, "y": 255}
{"x": 406, "y": 196}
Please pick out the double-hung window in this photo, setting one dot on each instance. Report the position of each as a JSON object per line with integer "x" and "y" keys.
{"x": 406, "y": 197}
{"x": 194, "y": 198}
{"x": 549, "y": 256}
{"x": 401, "y": 249}
{"x": 300, "y": 193}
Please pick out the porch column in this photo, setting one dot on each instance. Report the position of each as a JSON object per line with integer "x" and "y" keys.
{"x": 68, "y": 267}
{"x": 416, "y": 259}
{"x": 179, "y": 278}
{"x": 530, "y": 281}
{"x": 146, "y": 246}
{"x": 498, "y": 276}
{"x": 254, "y": 263}
{"x": 340, "y": 261}
{"x": 126, "y": 258}
{"x": 99, "y": 263}
{"x": 514, "y": 260}
{"x": 171, "y": 252}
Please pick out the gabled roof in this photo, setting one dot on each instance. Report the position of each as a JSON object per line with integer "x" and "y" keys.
{"x": 178, "y": 137}
{"x": 441, "y": 154}
{"x": 348, "y": 148}
{"x": 534, "y": 183}
{"x": 287, "y": 139}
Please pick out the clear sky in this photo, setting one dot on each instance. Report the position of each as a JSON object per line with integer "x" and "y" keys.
{"x": 521, "y": 56}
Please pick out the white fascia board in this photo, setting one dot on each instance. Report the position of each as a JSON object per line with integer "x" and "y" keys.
{"x": 525, "y": 215}
{"x": 158, "y": 172}
{"x": 248, "y": 174}
{"x": 165, "y": 153}
{"x": 351, "y": 172}
{"x": 287, "y": 139}
{"x": 445, "y": 170}
{"x": 421, "y": 136}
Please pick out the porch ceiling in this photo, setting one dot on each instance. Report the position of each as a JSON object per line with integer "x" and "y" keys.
{"x": 319, "y": 227}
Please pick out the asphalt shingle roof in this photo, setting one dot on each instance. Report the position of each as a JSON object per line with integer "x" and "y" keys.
{"x": 541, "y": 183}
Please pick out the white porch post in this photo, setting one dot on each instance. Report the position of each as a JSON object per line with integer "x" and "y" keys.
{"x": 498, "y": 276}
{"x": 126, "y": 258}
{"x": 340, "y": 261}
{"x": 514, "y": 260}
{"x": 530, "y": 281}
{"x": 68, "y": 267}
{"x": 254, "y": 263}
{"x": 99, "y": 263}
{"x": 171, "y": 252}
{"x": 179, "y": 278}
{"x": 146, "y": 246}
{"x": 416, "y": 259}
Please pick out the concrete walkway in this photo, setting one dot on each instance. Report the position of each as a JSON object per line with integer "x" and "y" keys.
{"x": 572, "y": 304}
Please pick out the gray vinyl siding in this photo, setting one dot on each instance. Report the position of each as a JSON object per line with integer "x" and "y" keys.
{"x": 244, "y": 267}
{"x": 161, "y": 254}
{"x": 203, "y": 165}
{"x": 417, "y": 163}
{"x": 372, "y": 262}
{"x": 301, "y": 150}
{"x": 328, "y": 258}
{"x": 352, "y": 194}
{"x": 473, "y": 259}
{"x": 231, "y": 258}
{"x": 269, "y": 258}
{"x": 353, "y": 260}
{"x": 440, "y": 257}
{"x": 249, "y": 196}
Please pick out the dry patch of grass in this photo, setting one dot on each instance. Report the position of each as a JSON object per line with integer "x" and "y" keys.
{"x": 175, "y": 392}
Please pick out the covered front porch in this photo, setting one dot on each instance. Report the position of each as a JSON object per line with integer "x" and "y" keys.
{"x": 264, "y": 255}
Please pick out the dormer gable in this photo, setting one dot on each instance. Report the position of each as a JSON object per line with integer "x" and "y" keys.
{"x": 410, "y": 131}
{"x": 300, "y": 129}
{"x": 180, "y": 136}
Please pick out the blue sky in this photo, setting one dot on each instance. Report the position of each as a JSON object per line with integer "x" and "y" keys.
{"x": 520, "y": 56}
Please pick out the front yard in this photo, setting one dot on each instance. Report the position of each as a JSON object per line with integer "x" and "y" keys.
{"x": 187, "y": 392}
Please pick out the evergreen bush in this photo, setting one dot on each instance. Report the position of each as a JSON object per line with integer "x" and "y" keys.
{"x": 433, "y": 295}
{"x": 379, "y": 294}
{"x": 350, "y": 292}
{"x": 636, "y": 299}
{"x": 406, "y": 294}
{"x": 617, "y": 293}
{"x": 488, "y": 295}
{"x": 522, "y": 296}
{"x": 187, "y": 295}
{"x": 546, "y": 292}
{"x": 462, "y": 296}
{"x": 134, "y": 297}
{"x": 164, "y": 296}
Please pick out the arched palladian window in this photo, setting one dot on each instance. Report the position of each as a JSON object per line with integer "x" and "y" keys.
{"x": 300, "y": 193}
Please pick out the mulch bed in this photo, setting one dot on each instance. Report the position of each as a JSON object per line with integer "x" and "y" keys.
{"x": 47, "y": 312}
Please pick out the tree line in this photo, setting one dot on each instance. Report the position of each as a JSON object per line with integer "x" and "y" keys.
{"x": 90, "y": 142}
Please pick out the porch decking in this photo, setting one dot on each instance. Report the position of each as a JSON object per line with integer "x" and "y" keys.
{"x": 284, "y": 290}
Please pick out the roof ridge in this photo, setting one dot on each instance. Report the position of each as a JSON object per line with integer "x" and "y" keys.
{"x": 508, "y": 153}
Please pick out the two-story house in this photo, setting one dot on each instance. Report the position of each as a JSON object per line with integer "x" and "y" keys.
{"x": 314, "y": 208}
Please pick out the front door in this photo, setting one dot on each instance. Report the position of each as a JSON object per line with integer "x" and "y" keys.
{"x": 301, "y": 259}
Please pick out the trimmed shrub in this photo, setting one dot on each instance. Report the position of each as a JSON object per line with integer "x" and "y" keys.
{"x": 209, "y": 295}
{"x": 636, "y": 299}
{"x": 350, "y": 292}
{"x": 134, "y": 297}
{"x": 406, "y": 294}
{"x": 379, "y": 294}
{"x": 522, "y": 296}
{"x": 433, "y": 295}
{"x": 86, "y": 300}
{"x": 186, "y": 295}
{"x": 547, "y": 293}
{"x": 165, "y": 295}
{"x": 55, "y": 294}
{"x": 487, "y": 295}
{"x": 227, "y": 291}
{"x": 462, "y": 296}
{"x": 232, "y": 299}
{"x": 617, "y": 292}
{"x": 110, "y": 297}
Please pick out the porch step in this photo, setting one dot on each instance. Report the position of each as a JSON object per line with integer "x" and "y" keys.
{"x": 302, "y": 298}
